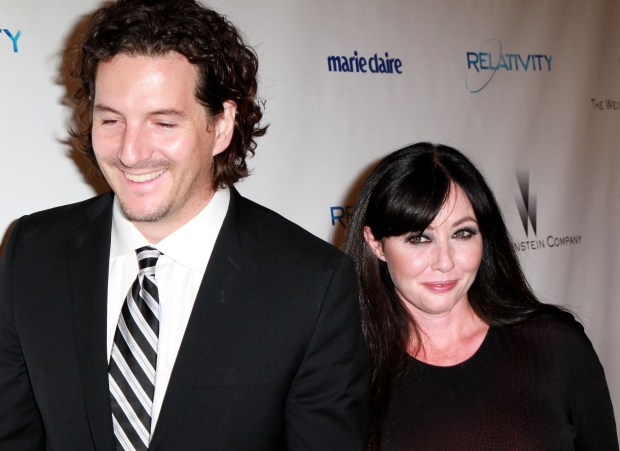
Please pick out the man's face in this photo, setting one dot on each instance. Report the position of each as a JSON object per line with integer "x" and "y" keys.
{"x": 154, "y": 142}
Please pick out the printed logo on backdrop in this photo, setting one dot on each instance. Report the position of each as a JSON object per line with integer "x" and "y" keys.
{"x": 526, "y": 205}
{"x": 379, "y": 63}
{"x": 526, "y": 202}
{"x": 607, "y": 104}
{"x": 9, "y": 41}
{"x": 340, "y": 215}
{"x": 484, "y": 64}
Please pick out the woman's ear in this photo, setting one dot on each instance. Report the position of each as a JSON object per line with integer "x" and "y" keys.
{"x": 375, "y": 245}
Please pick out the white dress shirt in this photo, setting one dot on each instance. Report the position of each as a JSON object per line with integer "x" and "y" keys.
{"x": 179, "y": 272}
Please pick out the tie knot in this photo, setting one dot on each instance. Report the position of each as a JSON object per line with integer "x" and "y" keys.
{"x": 147, "y": 257}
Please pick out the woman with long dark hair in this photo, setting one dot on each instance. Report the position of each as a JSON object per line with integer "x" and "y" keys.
{"x": 463, "y": 355}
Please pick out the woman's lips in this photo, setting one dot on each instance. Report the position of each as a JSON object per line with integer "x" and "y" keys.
{"x": 440, "y": 287}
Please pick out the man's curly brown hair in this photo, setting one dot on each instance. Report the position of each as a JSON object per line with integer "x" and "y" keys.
{"x": 227, "y": 68}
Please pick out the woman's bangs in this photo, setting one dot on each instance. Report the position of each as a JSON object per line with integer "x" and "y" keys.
{"x": 411, "y": 204}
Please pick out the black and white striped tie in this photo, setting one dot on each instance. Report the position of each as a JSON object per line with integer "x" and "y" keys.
{"x": 134, "y": 357}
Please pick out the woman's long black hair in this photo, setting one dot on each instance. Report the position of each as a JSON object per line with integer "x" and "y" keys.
{"x": 403, "y": 194}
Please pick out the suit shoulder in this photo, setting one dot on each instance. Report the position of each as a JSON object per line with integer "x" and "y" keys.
{"x": 271, "y": 227}
{"x": 64, "y": 212}
{"x": 60, "y": 220}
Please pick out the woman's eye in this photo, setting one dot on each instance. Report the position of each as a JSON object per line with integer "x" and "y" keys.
{"x": 417, "y": 239}
{"x": 465, "y": 233}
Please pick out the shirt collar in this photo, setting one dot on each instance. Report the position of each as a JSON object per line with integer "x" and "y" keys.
{"x": 181, "y": 245}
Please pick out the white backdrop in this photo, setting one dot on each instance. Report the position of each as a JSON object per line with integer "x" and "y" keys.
{"x": 524, "y": 87}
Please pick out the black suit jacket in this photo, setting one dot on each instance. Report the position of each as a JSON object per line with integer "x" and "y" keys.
{"x": 272, "y": 357}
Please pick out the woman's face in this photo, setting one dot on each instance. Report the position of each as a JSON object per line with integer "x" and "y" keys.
{"x": 432, "y": 272}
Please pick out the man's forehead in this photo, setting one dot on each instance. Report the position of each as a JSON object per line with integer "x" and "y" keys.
{"x": 149, "y": 83}
{"x": 127, "y": 66}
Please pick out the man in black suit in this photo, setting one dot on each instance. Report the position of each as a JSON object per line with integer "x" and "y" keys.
{"x": 241, "y": 332}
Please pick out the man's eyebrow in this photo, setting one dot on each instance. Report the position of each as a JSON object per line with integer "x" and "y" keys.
{"x": 165, "y": 112}
{"x": 104, "y": 109}
{"x": 169, "y": 112}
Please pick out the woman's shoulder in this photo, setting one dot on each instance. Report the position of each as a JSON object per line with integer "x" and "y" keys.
{"x": 555, "y": 319}
{"x": 553, "y": 326}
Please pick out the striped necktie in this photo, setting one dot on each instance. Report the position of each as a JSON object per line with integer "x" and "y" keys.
{"x": 133, "y": 361}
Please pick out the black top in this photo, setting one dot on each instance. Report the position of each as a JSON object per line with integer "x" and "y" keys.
{"x": 535, "y": 386}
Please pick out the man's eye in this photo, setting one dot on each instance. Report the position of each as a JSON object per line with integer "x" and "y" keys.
{"x": 166, "y": 125}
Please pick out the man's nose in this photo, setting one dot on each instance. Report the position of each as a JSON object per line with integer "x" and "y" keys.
{"x": 135, "y": 146}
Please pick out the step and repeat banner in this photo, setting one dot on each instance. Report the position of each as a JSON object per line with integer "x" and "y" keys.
{"x": 529, "y": 89}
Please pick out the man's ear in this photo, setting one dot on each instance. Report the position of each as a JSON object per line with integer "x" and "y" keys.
{"x": 224, "y": 126}
{"x": 375, "y": 245}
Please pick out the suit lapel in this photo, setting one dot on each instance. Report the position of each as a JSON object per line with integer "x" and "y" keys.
{"x": 227, "y": 277}
{"x": 88, "y": 257}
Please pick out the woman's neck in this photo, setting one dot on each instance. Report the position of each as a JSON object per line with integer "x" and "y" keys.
{"x": 448, "y": 339}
